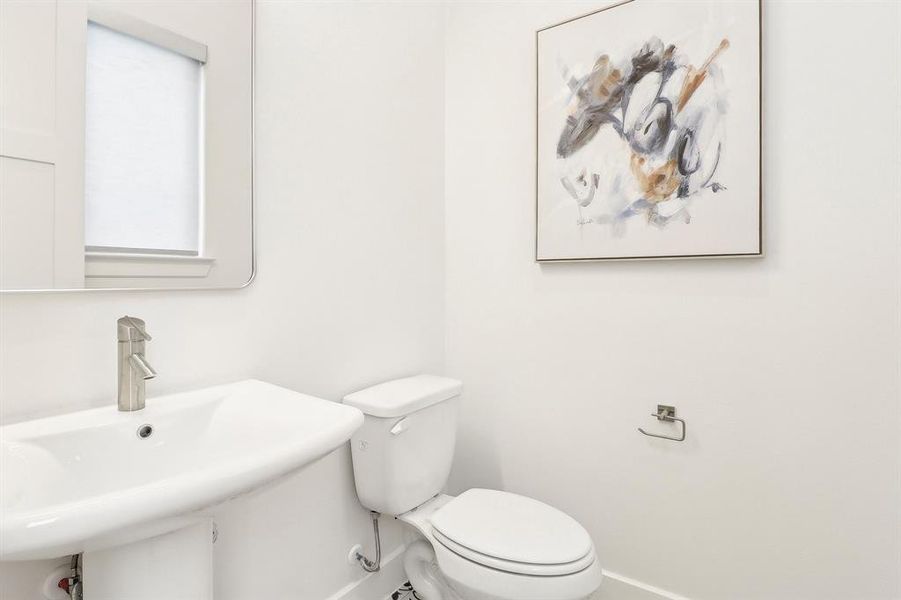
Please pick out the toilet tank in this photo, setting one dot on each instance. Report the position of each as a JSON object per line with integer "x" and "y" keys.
{"x": 402, "y": 454}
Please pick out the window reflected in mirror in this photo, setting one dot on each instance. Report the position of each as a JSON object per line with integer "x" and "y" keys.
{"x": 127, "y": 144}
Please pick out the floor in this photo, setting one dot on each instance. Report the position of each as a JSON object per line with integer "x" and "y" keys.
{"x": 609, "y": 590}
{"x": 404, "y": 592}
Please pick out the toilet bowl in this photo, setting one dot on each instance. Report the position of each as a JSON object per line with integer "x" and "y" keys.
{"x": 481, "y": 545}
{"x": 493, "y": 545}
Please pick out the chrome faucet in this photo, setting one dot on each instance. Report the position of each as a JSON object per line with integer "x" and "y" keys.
{"x": 133, "y": 367}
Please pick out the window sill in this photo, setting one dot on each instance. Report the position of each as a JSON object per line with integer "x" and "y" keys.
{"x": 120, "y": 265}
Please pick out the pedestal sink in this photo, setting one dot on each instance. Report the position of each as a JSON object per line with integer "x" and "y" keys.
{"x": 139, "y": 482}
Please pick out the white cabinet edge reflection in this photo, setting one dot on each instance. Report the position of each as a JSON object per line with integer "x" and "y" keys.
{"x": 52, "y": 144}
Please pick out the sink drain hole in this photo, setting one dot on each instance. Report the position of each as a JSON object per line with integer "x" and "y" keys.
{"x": 145, "y": 431}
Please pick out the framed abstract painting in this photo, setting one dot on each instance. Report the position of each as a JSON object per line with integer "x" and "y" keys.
{"x": 648, "y": 132}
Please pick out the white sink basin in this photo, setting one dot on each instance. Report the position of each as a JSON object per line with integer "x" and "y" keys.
{"x": 88, "y": 481}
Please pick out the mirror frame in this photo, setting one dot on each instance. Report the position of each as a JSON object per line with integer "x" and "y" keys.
{"x": 253, "y": 203}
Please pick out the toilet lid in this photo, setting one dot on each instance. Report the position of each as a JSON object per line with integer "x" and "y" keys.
{"x": 501, "y": 526}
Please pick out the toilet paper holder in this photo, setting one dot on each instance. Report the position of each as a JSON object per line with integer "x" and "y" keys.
{"x": 668, "y": 414}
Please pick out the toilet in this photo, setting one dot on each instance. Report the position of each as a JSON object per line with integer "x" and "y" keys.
{"x": 480, "y": 545}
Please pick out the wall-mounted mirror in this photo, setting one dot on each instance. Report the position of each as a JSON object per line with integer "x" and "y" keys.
{"x": 126, "y": 144}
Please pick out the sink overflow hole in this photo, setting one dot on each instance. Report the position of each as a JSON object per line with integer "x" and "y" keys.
{"x": 144, "y": 431}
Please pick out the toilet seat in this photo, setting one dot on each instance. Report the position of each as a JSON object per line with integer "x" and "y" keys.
{"x": 474, "y": 581}
{"x": 509, "y": 566}
{"x": 512, "y": 533}
{"x": 479, "y": 575}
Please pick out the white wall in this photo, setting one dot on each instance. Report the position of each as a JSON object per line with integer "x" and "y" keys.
{"x": 786, "y": 368}
{"x": 349, "y": 289}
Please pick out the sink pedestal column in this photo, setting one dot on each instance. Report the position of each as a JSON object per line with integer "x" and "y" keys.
{"x": 173, "y": 565}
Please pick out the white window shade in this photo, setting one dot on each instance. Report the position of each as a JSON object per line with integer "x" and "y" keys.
{"x": 143, "y": 150}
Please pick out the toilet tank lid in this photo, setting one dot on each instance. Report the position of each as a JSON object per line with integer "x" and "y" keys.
{"x": 403, "y": 396}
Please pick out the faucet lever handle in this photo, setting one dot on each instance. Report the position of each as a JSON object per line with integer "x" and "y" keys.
{"x": 126, "y": 325}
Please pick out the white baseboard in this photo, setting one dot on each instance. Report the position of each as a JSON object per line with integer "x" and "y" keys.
{"x": 380, "y": 585}
{"x": 620, "y": 587}
{"x": 376, "y": 586}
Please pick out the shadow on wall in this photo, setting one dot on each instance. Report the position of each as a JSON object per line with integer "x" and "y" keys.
{"x": 476, "y": 460}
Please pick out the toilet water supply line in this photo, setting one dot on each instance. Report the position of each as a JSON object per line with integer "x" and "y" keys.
{"x": 72, "y": 584}
{"x": 372, "y": 566}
